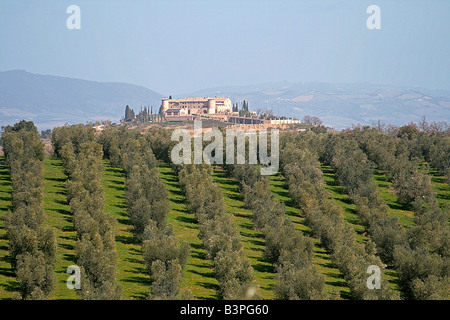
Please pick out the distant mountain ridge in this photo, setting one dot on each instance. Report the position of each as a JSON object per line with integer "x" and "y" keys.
{"x": 52, "y": 101}
{"x": 341, "y": 105}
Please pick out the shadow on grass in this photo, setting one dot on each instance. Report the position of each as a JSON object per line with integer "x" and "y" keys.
{"x": 66, "y": 246}
{"x": 175, "y": 188}
{"x": 178, "y": 201}
{"x": 264, "y": 267}
{"x": 117, "y": 171}
{"x": 230, "y": 182}
{"x": 62, "y": 180}
{"x": 125, "y": 239}
{"x": 198, "y": 254}
{"x": 395, "y": 279}
{"x": 136, "y": 261}
{"x": 64, "y": 212}
{"x": 11, "y": 286}
{"x": 118, "y": 188}
{"x": 6, "y": 199}
{"x": 188, "y": 219}
{"x": 69, "y": 228}
{"x": 443, "y": 196}
{"x": 69, "y": 257}
{"x": 235, "y": 197}
{"x": 124, "y": 221}
{"x": 253, "y": 235}
{"x": 63, "y": 202}
{"x": 7, "y": 272}
{"x": 114, "y": 181}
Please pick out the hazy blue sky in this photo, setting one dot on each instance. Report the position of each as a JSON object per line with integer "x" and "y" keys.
{"x": 174, "y": 46}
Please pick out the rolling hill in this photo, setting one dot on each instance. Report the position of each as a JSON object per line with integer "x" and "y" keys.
{"x": 341, "y": 105}
{"x": 51, "y": 101}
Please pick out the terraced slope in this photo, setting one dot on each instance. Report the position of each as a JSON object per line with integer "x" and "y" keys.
{"x": 351, "y": 217}
{"x": 131, "y": 272}
{"x": 198, "y": 273}
{"x": 59, "y": 217}
{"x": 321, "y": 258}
{"x": 339, "y": 195}
{"x": 252, "y": 240}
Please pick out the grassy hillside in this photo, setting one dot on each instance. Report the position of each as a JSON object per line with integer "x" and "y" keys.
{"x": 130, "y": 268}
{"x": 321, "y": 258}
{"x": 58, "y": 217}
{"x": 198, "y": 276}
{"x": 252, "y": 239}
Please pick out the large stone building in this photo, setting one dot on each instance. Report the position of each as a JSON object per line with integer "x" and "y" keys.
{"x": 191, "y": 106}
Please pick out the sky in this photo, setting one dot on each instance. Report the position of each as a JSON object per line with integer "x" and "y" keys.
{"x": 179, "y": 46}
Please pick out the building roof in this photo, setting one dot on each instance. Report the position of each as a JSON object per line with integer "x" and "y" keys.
{"x": 205, "y": 99}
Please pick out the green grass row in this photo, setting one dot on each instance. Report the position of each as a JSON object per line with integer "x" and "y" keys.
{"x": 321, "y": 258}
{"x": 198, "y": 274}
{"x": 8, "y": 283}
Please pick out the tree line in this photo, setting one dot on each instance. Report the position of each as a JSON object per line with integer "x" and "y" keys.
{"x": 147, "y": 207}
{"x": 220, "y": 236}
{"x": 419, "y": 254}
{"x": 287, "y": 248}
{"x": 95, "y": 249}
{"x": 422, "y": 256}
{"x": 146, "y": 114}
{"x": 32, "y": 246}
{"x": 301, "y": 167}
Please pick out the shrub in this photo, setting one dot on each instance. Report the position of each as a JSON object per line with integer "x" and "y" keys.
{"x": 163, "y": 245}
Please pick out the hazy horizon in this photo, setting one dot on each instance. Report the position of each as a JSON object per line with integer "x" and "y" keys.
{"x": 176, "y": 47}
{"x": 256, "y": 84}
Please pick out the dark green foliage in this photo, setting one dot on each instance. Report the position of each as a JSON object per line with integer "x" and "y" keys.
{"x": 413, "y": 187}
{"x": 129, "y": 114}
{"x": 422, "y": 274}
{"x": 439, "y": 155}
{"x": 97, "y": 257}
{"x": 163, "y": 245}
{"x": 431, "y": 288}
{"x": 46, "y": 134}
{"x": 421, "y": 255}
{"x": 219, "y": 234}
{"x": 76, "y": 135}
{"x": 160, "y": 142}
{"x": 353, "y": 262}
{"x": 35, "y": 275}
{"x": 354, "y": 172}
{"x": 166, "y": 280}
{"x": 295, "y": 283}
{"x": 246, "y": 174}
{"x": 32, "y": 247}
{"x": 285, "y": 246}
{"x": 147, "y": 199}
{"x": 325, "y": 218}
{"x": 234, "y": 274}
{"x": 127, "y": 148}
{"x": 148, "y": 204}
{"x": 96, "y": 248}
